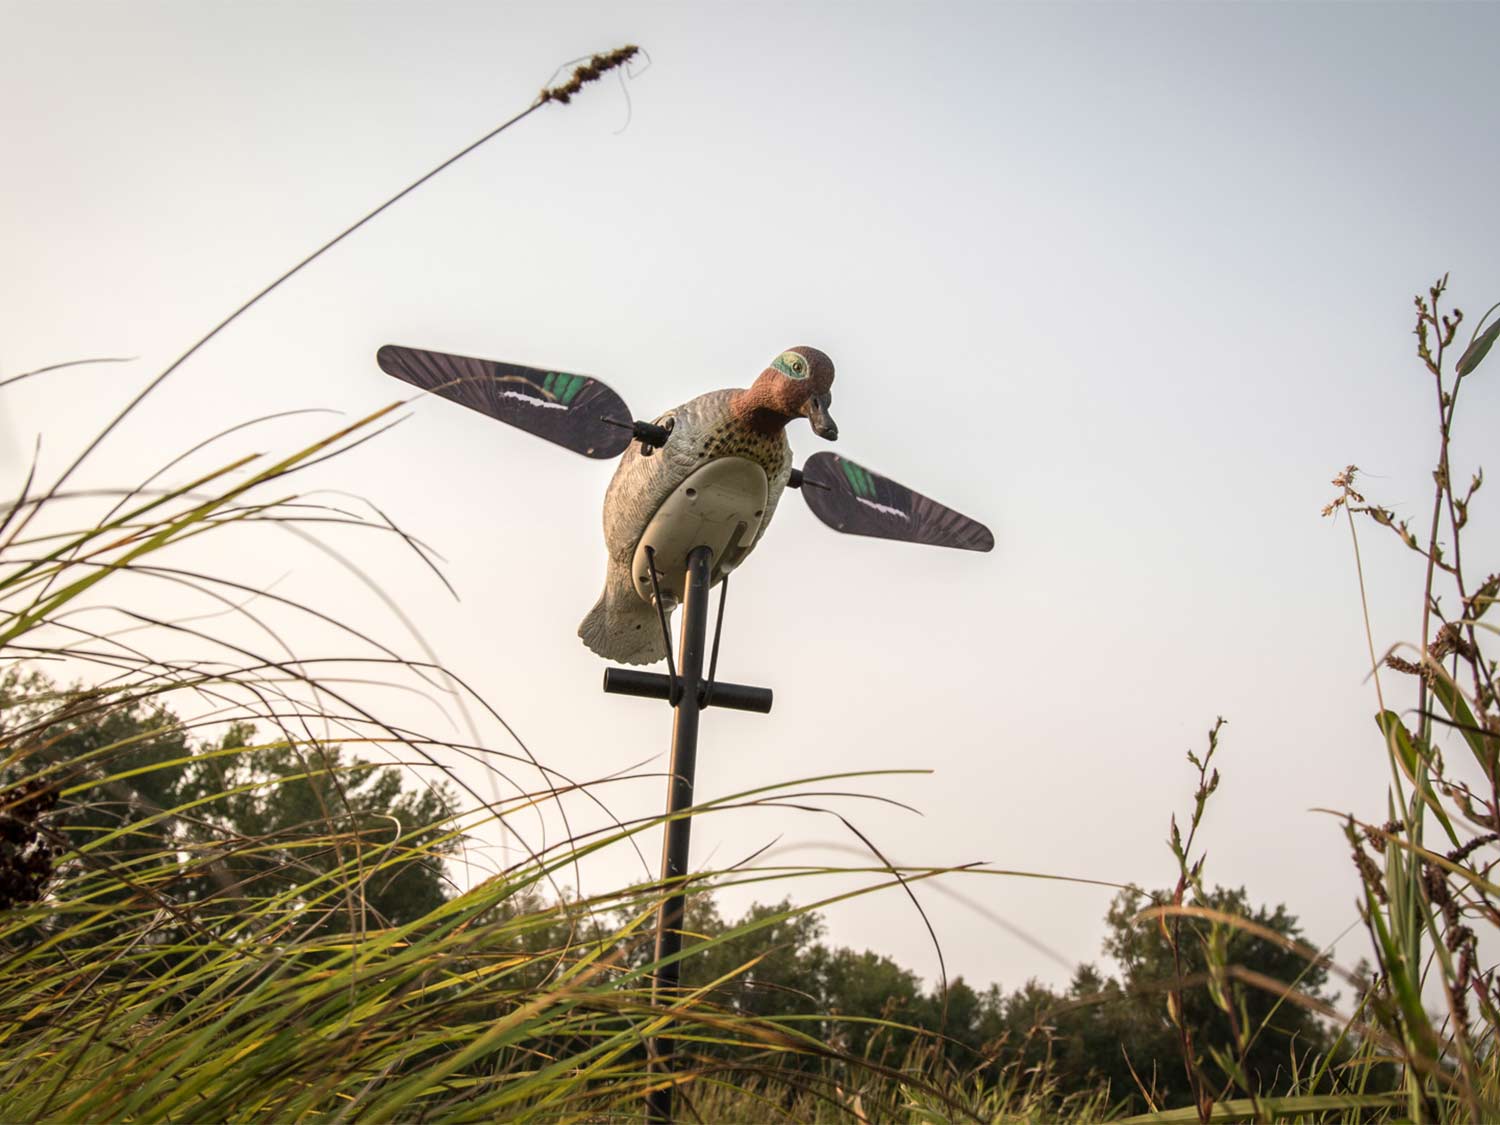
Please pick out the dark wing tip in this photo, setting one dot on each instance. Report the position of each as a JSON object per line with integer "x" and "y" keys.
{"x": 858, "y": 501}
{"x": 388, "y": 357}
{"x": 564, "y": 408}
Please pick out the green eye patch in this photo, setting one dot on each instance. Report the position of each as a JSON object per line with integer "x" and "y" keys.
{"x": 784, "y": 365}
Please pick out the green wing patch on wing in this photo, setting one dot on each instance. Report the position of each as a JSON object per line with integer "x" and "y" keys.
{"x": 850, "y": 498}
{"x": 562, "y": 386}
{"x": 859, "y": 479}
{"x": 566, "y": 409}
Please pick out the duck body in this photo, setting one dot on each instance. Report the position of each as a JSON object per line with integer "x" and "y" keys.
{"x": 748, "y": 424}
{"x": 622, "y": 626}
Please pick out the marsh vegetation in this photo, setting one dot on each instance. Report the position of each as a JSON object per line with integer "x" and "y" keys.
{"x": 221, "y": 899}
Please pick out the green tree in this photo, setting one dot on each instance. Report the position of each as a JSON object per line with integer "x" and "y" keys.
{"x": 862, "y": 985}
{"x": 163, "y": 814}
{"x": 311, "y": 809}
{"x": 1276, "y": 1030}
{"x": 773, "y": 970}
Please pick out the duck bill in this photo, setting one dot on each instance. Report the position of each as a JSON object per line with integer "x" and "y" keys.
{"x": 822, "y": 423}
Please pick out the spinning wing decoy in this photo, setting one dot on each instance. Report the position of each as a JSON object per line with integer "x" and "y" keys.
{"x": 566, "y": 409}
{"x": 850, "y": 498}
{"x": 708, "y": 473}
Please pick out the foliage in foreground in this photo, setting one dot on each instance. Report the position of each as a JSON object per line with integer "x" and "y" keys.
{"x": 1089, "y": 1040}
{"x": 1429, "y": 897}
{"x": 175, "y": 944}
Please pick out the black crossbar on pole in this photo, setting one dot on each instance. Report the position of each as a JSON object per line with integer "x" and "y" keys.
{"x": 674, "y": 854}
{"x": 653, "y": 685}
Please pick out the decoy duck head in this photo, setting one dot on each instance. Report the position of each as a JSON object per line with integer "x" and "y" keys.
{"x": 797, "y": 384}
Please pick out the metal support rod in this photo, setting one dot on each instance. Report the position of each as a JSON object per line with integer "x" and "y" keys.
{"x": 713, "y": 658}
{"x": 674, "y": 855}
{"x": 661, "y": 615}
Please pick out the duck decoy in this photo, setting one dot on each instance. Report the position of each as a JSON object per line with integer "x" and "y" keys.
{"x": 709, "y": 472}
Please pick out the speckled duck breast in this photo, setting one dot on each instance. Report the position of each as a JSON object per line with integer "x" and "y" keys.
{"x": 702, "y": 429}
{"x": 749, "y": 423}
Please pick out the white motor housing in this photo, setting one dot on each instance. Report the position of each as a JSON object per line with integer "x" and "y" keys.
{"x": 721, "y": 506}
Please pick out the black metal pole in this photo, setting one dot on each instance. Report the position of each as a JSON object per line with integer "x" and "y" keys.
{"x": 674, "y": 853}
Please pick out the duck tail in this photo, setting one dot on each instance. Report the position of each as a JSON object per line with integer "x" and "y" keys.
{"x": 621, "y": 626}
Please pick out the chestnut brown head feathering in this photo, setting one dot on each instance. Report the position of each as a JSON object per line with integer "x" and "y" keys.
{"x": 797, "y": 384}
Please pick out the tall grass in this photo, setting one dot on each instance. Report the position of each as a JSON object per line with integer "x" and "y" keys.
{"x": 1427, "y": 893}
{"x": 1430, "y": 898}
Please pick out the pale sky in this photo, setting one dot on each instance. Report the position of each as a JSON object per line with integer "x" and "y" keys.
{"x": 1128, "y": 282}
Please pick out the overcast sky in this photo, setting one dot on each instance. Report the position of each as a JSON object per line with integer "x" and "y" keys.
{"x": 1127, "y": 282}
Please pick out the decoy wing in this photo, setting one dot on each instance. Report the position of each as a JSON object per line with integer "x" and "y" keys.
{"x": 850, "y": 498}
{"x": 566, "y": 409}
